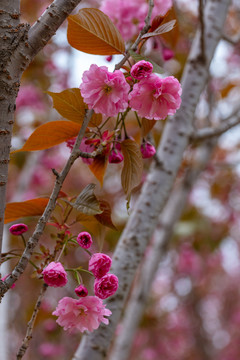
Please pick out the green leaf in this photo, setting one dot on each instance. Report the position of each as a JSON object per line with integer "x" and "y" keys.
{"x": 133, "y": 165}
{"x": 86, "y": 202}
{"x": 137, "y": 57}
{"x": 92, "y": 32}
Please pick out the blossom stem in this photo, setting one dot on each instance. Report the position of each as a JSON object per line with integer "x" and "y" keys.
{"x": 138, "y": 120}
{"x": 23, "y": 239}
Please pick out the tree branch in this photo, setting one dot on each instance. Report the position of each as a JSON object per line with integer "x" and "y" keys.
{"x": 162, "y": 236}
{"x": 33, "y": 241}
{"x": 18, "y": 47}
{"x": 159, "y": 182}
{"x": 28, "y": 336}
{"x": 226, "y": 124}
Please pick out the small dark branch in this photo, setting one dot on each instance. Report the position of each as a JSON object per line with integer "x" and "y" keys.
{"x": 33, "y": 241}
{"x": 201, "y": 19}
{"x": 55, "y": 173}
{"x": 30, "y": 325}
{"x": 142, "y": 32}
{"x": 226, "y": 124}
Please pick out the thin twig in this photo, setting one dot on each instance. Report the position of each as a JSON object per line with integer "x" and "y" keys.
{"x": 226, "y": 124}
{"x": 142, "y": 32}
{"x": 28, "y": 336}
{"x": 33, "y": 241}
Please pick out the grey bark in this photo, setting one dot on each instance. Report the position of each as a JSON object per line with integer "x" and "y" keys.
{"x": 157, "y": 187}
{"x": 162, "y": 236}
{"x": 18, "y": 46}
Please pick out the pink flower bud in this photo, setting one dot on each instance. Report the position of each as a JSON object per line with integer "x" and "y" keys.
{"x": 109, "y": 58}
{"x": 81, "y": 291}
{"x": 55, "y": 275}
{"x": 141, "y": 69}
{"x": 167, "y": 54}
{"x": 147, "y": 150}
{"x": 106, "y": 286}
{"x": 84, "y": 239}
{"x": 99, "y": 264}
{"x": 115, "y": 157}
{"x": 18, "y": 229}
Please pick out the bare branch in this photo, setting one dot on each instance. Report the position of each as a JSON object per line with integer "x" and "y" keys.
{"x": 33, "y": 241}
{"x": 28, "y": 336}
{"x": 226, "y": 124}
{"x": 201, "y": 19}
{"x": 44, "y": 28}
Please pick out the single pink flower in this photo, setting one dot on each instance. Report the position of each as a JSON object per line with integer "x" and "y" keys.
{"x": 156, "y": 98}
{"x": 4, "y": 278}
{"x": 115, "y": 156}
{"x": 55, "y": 275}
{"x": 99, "y": 264}
{"x": 84, "y": 239}
{"x": 142, "y": 69}
{"x": 18, "y": 229}
{"x": 103, "y": 91}
{"x": 81, "y": 291}
{"x": 81, "y": 314}
{"x": 147, "y": 150}
{"x": 106, "y": 286}
{"x": 167, "y": 54}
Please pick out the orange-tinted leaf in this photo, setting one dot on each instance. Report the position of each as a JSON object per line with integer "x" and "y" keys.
{"x": 98, "y": 167}
{"x": 147, "y": 126}
{"x": 133, "y": 165}
{"x": 92, "y": 32}
{"x": 166, "y": 27}
{"x": 69, "y": 103}
{"x": 50, "y": 134}
{"x": 225, "y": 91}
{"x": 105, "y": 217}
{"x": 17, "y": 210}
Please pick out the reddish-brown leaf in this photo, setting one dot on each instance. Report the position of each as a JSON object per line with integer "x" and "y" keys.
{"x": 147, "y": 126}
{"x": 105, "y": 217}
{"x": 164, "y": 28}
{"x": 17, "y": 210}
{"x": 92, "y": 32}
{"x": 69, "y": 103}
{"x": 50, "y": 134}
{"x": 133, "y": 165}
{"x": 98, "y": 167}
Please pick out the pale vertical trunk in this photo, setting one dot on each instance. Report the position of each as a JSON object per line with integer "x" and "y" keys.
{"x": 162, "y": 236}
{"x": 157, "y": 187}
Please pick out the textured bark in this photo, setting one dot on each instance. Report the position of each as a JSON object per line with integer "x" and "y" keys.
{"x": 157, "y": 187}
{"x": 163, "y": 233}
{"x": 18, "y": 47}
{"x": 11, "y": 33}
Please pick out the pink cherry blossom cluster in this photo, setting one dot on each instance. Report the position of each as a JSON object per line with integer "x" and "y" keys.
{"x": 151, "y": 96}
{"x": 87, "y": 312}
{"x": 105, "y": 284}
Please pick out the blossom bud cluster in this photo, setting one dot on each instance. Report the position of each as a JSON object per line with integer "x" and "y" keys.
{"x": 86, "y": 312}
